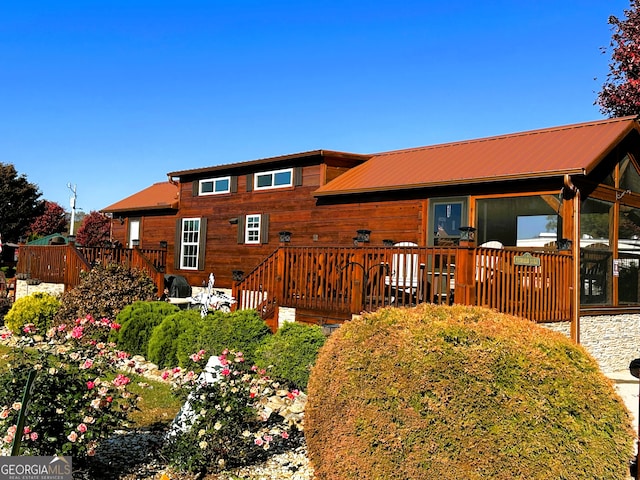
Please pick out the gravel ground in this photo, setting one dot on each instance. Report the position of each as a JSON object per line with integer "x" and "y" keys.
{"x": 136, "y": 456}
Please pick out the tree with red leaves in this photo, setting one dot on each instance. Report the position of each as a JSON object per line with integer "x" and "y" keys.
{"x": 53, "y": 220}
{"x": 620, "y": 94}
{"x": 95, "y": 230}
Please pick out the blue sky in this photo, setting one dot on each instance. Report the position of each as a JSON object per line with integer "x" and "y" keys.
{"x": 112, "y": 95}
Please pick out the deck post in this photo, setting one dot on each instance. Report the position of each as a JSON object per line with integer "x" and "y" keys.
{"x": 465, "y": 292}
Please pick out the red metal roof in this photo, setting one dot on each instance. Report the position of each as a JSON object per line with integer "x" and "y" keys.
{"x": 159, "y": 196}
{"x": 571, "y": 149}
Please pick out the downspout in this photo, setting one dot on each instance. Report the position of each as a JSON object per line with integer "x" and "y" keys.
{"x": 572, "y": 192}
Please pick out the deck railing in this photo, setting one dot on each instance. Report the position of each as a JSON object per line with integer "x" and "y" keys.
{"x": 350, "y": 280}
{"x": 65, "y": 263}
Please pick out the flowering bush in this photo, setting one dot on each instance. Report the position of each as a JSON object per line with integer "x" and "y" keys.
{"x": 238, "y": 418}
{"x": 78, "y": 396}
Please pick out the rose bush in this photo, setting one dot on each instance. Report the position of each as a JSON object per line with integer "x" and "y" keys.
{"x": 240, "y": 418}
{"x": 78, "y": 397}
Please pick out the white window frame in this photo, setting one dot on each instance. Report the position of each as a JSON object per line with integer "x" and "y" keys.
{"x": 252, "y": 229}
{"x": 272, "y": 174}
{"x": 190, "y": 245}
{"x": 214, "y": 181}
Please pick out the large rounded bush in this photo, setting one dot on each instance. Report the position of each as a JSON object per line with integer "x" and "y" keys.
{"x": 137, "y": 322}
{"x": 240, "y": 331}
{"x": 38, "y": 309}
{"x": 291, "y": 352}
{"x": 461, "y": 392}
{"x": 104, "y": 291}
{"x": 163, "y": 343}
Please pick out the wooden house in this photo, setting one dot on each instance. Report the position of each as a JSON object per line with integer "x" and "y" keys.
{"x": 328, "y": 234}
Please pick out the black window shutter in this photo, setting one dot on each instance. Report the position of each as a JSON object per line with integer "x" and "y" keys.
{"x": 202, "y": 243}
{"x": 249, "y": 182}
{"x": 297, "y": 177}
{"x": 233, "y": 187}
{"x": 178, "y": 245}
{"x": 195, "y": 186}
{"x": 241, "y": 223}
{"x": 264, "y": 228}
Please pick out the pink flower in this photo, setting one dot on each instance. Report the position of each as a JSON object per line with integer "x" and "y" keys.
{"x": 225, "y": 372}
{"x": 62, "y": 327}
{"x": 284, "y": 435}
{"x": 90, "y": 385}
{"x": 33, "y": 436}
{"x": 29, "y": 328}
{"x": 121, "y": 380}
{"x": 109, "y": 399}
{"x": 165, "y": 375}
{"x": 87, "y": 364}
{"x": 82, "y": 428}
{"x": 115, "y": 326}
{"x": 73, "y": 436}
{"x": 26, "y": 430}
{"x": 77, "y": 332}
{"x": 258, "y": 441}
{"x": 123, "y": 355}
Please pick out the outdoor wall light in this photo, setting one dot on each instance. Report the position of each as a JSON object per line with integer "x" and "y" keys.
{"x": 564, "y": 244}
{"x": 233, "y": 221}
{"x": 467, "y": 234}
{"x": 237, "y": 275}
{"x": 285, "y": 237}
{"x": 363, "y": 235}
{"x": 163, "y": 244}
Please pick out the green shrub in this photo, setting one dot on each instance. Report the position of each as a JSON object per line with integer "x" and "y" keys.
{"x": 241, "y": 331}
{"x": 104, "y": 291}
{"x": 137, "y": 322}
{"x": 163, "y": 343}
{"x": 38, "y": 308}
{"x": 291, "y": 352}
{"x": 461, "y": 392}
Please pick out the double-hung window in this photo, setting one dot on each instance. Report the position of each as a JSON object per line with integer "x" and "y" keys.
{"x": 252, "y": 229}
{"x": 213, "y": 186}
{"x": 274, "y": 179}
{"x": 190, "y": 247}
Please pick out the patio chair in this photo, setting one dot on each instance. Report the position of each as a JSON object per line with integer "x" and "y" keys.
{"x": 404, "y": 276}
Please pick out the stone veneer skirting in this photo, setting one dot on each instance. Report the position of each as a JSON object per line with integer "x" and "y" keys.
{"x": 613, "y": 340}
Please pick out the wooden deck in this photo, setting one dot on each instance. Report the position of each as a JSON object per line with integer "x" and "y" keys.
{"x": 65, "y": 263}
{"x": 337, "y": 282}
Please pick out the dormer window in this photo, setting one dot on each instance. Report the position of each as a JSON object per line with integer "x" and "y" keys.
{"x": 273, "y": 179}
{"x": 214, "y": 186}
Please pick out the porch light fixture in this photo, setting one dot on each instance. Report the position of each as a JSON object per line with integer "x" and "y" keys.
{"x": 387, "y": 243}
{"x": 564, "y": 244}
{"x": 135, "y": 243}
{"x": 121, "y": 220}
{"x": 233, "y": 221}
{"x": 285, "y": 237}
{"x": 163, "y": 244}
{"x": 363, "y": 235}
{"x": 467, "y": 234}
{"x": 237, "y": 275}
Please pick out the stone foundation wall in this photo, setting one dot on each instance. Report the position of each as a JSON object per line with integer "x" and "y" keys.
{"x": 613, "y": 340}
{"x": 23, "y": 289}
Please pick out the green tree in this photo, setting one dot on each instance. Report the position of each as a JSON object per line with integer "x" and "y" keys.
{"x": 620, "y": 94}
{"x": 20, "y": 203}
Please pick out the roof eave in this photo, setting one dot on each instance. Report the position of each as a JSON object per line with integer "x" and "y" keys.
{"x": 446, "y": 183}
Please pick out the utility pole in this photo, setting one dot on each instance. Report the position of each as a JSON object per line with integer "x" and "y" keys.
{"x": 73, "y": 207}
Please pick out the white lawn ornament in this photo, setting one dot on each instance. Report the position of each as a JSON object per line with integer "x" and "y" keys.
{"x": 186, "y": 416}
{"x": 212, "y": 299}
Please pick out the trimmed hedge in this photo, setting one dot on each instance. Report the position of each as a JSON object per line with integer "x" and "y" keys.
{"x": 137, "y": 322}
{"x": 461, "y": 392}
{"x": 291, "y": 352}
{"x": 239, "y": 331}
{"x": 39, "y": 308}
{"x": 163, "y": 343}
